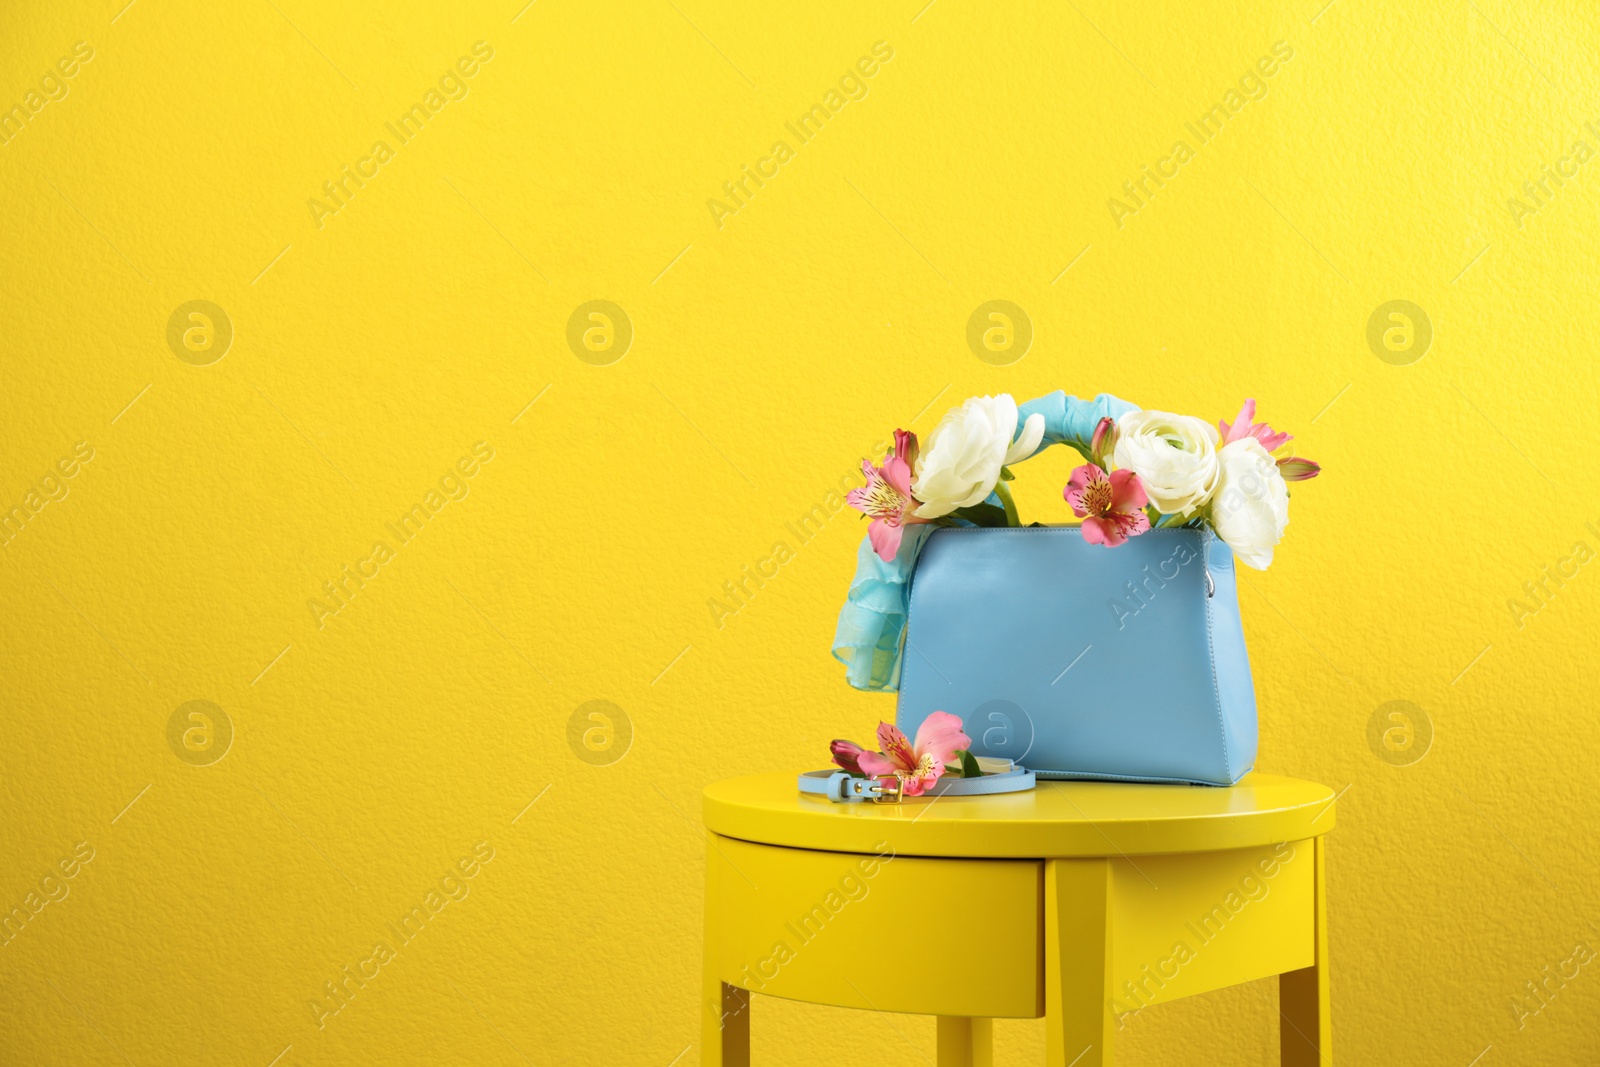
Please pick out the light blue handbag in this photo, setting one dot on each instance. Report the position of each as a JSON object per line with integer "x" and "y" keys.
{"x": 1081, "y": 661}
{"x": 1076, "y": 660}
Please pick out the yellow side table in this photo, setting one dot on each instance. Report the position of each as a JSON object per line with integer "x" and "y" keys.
{"x": 1075, "y": 902}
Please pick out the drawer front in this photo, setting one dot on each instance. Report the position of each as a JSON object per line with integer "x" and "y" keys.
{"x": 1183, "y": 925}
{"x": 880, "y": 932}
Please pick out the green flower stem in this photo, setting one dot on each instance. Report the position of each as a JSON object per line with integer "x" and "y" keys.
{"x": 1003, "y": 491}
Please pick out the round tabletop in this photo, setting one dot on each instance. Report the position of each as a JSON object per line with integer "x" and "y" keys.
{"x": 1054, "y": 819}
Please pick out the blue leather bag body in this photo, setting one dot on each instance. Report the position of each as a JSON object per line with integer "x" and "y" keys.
{"x": 1081, "y": 661}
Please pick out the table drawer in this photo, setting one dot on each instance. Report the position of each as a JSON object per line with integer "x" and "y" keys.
{"x": 877, "y": 931}
{"x": 1183, "y": 925}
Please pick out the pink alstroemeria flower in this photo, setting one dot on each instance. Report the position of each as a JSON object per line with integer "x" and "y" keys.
{"x": 917, "y": 764}
{"x": 887, "y": 496}
{"x": 1298, "y": 468}
{"x": 1105, "y": 434}
{"x": 1110, "y": 505}
{"x": 1293, "y": 468}
{"x": 847, "y": 754}
{"x": 1243, "y": 427}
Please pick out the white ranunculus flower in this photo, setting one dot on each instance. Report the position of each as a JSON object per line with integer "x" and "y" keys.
{"x": 961, "y": 459}
{"x": 1175, "y": 457}
{"x": 1251, "y": 505}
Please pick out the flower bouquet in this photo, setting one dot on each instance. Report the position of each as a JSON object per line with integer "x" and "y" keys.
{"x": 1145, "y": 469}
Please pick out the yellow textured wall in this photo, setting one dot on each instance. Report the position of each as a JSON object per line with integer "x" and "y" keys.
{"x": 420, "y": 320}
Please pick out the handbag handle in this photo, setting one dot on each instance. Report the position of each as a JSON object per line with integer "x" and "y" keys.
{"x": 1070, "y": 421}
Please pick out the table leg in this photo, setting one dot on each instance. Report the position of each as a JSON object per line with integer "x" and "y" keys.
{"x": 965, "y": 1042}
{"x": 1304, "y": 1034}
{"x": 1077, "y": 921}
{"x": 724, "y": 1025}
{"x": 724, "y": 1008}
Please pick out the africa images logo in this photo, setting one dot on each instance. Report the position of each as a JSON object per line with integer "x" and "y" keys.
{"x": 1551, "y": 179}
{"x": 53, "y": 88}
{"x": 452, "y": 85}
{"x": 1252, "y": 85}
{"x": 852, "y": 86}
{"x": 453, "y": 485}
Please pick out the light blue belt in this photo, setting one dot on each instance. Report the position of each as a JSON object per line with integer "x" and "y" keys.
{"x": 842, "y": 788}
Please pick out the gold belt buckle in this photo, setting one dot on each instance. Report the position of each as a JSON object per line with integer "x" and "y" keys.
{"x": 886, "y": 791}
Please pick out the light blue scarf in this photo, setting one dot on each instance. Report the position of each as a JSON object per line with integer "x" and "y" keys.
{"x": 872, "y": 622}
